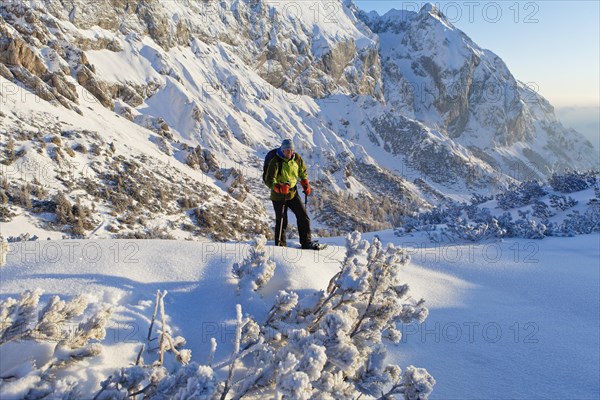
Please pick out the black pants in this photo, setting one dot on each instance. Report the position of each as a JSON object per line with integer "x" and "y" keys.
{"x": 302, "y": 218}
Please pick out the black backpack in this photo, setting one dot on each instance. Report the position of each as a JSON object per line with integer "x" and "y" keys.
{"x": 268, "y": 159}
{"x": 270, "y": 155}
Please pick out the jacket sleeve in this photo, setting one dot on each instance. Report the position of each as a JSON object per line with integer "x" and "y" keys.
{"x": 270, "y": 178}
{"x": 302, "y": 174}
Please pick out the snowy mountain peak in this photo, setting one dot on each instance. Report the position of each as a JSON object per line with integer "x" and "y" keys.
{"x": 436, "y": 74}
{"x": 430, "y": 8}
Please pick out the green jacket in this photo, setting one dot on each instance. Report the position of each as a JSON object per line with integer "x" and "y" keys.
{"x": 281, "y": 170}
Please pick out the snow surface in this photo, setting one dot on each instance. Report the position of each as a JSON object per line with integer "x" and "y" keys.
{"x": 513, "y": 319}
{"x": 509, "y": 319}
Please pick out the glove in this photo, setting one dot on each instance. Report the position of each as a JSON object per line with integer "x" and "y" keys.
{"x": 305, "y": 186}
{"x": 282, "y": 188}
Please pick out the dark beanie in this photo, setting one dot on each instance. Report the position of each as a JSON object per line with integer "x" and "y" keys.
{"x": 287, "y": 144}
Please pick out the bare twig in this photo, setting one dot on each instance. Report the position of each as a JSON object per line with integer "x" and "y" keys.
{"x": 144, "y": 390}
{"x": 213, "y": 349}
{"x": 236, "y": 350}
{"x": 154, "y": 314}
{"x": 139, "y": 356}
{"x": 161, "y": 346}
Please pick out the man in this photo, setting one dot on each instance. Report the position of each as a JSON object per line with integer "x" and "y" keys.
{"x": 283, "y": 172}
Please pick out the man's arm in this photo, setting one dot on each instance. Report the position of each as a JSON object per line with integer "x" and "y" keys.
{"x": 270, "y": 179}
{"x": 302, "y": 174}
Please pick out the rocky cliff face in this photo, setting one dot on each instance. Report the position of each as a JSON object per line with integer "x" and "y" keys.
{"x": 434, "y": 73}
{"x": 284, "y": 44}
{"x": 206, "y": 88}
{"x": 437, "y": 75}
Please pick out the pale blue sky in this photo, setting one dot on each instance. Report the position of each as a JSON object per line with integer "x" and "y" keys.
{"x": 554, "y": 45}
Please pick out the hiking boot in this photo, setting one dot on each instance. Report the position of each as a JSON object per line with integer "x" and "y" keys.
{"x": 313, "y": 246}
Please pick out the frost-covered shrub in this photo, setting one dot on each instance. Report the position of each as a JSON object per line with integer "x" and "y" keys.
{"x": 256, "y": 269}
{"x": 20, "y": 320}
{"x": 541, "y": 210}
{"x": 562, "y": 203}
{"x": 333, "y": 346}
{"x": 509, "y": 199}
{"x": 573, "y": 181}
{"x": 294, "y": 384}
{"x": 505, "y": 226}
{"x": 190, "y": 381}
{"x": 77, "y": 216}
{"x": 427, "y": 221}
{"x": 329, "y": 345}
{"x": 577, "y": 223}
{"x": 477, "y": 214}
{"x": 417, "y": 384}
{"x": 412, "y": 224}
{"x": 520, "y": 195}
{"x": 462, "y": 229}
{"x": 154, "y": 381}
{"x": 477, "y": 199}
{"x": 24, "y": 323}
{"x": 472, "y": 223}
{"x": 527, "y": 229}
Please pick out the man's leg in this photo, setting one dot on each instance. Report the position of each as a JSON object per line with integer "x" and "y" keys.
{"x": 280, "y": 216}
{"x": 302, "y": 218}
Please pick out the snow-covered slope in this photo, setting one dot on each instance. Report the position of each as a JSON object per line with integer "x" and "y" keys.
{"x": 509, "y": 318}
{"x": 147, "y": 92}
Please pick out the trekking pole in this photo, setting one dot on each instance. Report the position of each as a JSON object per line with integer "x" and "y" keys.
{"x": 282, "y": 218}
{"x": 281, "y": 224}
